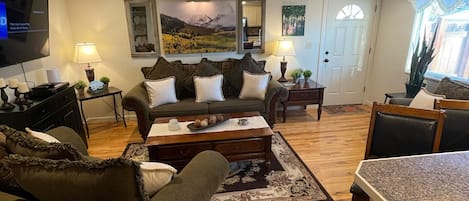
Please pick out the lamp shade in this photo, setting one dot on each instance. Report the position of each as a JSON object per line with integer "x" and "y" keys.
{"x": 285, "y": 48}
{"x": 86, "y": 53}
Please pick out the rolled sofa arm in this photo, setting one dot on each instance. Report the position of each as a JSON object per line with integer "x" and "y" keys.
{"x": 67, "y": 135}
{"x": 400, "y": 101}
{"x": 275, "y": 92}
{"x": 198, "y": 181}
{"x": 137, "y": 100}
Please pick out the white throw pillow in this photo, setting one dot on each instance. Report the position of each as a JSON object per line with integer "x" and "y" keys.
{"x": 162, "y": 91}
{"x": 43, "y": 136}
{"x": 254, "y": 85}
{"x": 425, "y": 99}
{"x": 208, "y": 88}
{"x": 155, "y": 176}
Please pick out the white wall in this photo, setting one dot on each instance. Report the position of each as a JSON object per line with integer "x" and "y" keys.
{"x": 386, "y": 72}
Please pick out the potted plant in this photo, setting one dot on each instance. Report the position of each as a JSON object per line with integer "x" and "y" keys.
{"x": 307, "y": 74}
{"x": 105, "y": 80}
{"x": 80, "y": 87}
{"x": 421, "y": 58}
{"x": 296, "y": 74}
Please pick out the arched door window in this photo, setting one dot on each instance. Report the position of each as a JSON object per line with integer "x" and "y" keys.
{"x": 350, "y": 12}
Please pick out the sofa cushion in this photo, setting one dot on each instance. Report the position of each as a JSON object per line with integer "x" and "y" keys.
{"x": 155, "y": 176}
{"x": 453, "y": 89}
{"x": 43, "y": 136}
{"x": 186, "y": 106}
{"x": 164, "y": 69}
{"x": 204, "y": 68}
{"x": 208, "y": 88}
{"x": 57, "y": 180}
{"x": 9, "y": 185}
{"x": 254, "y": 86}
{"x": 161, "y": 91}
{"x": 236, "y": 105}
{"x": 425, "y": 99}
{"x": 235, "y": 76}
{"x": 21, "y": 143}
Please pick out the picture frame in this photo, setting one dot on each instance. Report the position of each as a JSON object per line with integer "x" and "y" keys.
{"x": 293, "y": 20}
{"x": 143, "y": 29}
{"x": 185, "y": 30}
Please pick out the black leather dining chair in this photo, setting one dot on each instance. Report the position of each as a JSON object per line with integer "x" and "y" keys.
{"x": 455, "y": 135}
{"x": 397, "y": 130}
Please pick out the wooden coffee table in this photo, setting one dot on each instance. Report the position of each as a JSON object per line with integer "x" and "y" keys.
{"x": 178, "y": 150}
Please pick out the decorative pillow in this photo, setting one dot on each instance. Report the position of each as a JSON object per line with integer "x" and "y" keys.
{"x": 155, "y": 176}
{"x": 164, "y": 69}
{"x": 208, "y": 88}
{"x": 453, "y": 89}
{"x": 42, "y": 136}
{"x": 425, "y": 99}
{"x": 9, "y": 185}
{"x": 254, "y": 85}
{"x": 21, "y": 143}
{"x": 204, "y": 68}
{"x": 58, "y": 180}
{"x": 247, "y": 63}
{"x": 161, "y": 91}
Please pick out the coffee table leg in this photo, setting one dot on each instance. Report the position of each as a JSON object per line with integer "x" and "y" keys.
{"x": 268, "y": 154}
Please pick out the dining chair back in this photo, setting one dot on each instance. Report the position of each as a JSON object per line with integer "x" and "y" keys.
{"x": 455, "y": 136}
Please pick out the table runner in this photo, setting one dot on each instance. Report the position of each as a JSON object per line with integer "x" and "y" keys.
{"x": 254, "y": 122}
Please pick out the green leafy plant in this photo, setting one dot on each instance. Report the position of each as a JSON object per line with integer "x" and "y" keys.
{"x": 421, "y": 58}
{"x": 104, "y": 80}
{"x": 296, "y": 74}
{"x": 80, "y": 84}
{"x": 307, "y": 73}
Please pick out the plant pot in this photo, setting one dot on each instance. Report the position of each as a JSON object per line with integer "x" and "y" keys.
{"x": 307, "y": 78}
{"x": 412, "y": 90}
{"x": 81, "y": 92}
{"x": 106, "y": 86}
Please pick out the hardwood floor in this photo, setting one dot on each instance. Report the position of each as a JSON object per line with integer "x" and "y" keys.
{"x": 331, "y": 148}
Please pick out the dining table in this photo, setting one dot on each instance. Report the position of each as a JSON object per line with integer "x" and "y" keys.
{"x": 438, "y": 176}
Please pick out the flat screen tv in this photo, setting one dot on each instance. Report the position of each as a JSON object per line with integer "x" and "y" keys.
{"x": 24, "y": 31}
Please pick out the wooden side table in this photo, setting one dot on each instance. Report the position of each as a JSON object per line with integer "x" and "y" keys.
{"x": 304, "y": 93}
{"x": 112, "y": 91}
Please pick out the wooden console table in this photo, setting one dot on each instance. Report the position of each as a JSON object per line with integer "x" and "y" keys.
{"x": 304, "y": 93}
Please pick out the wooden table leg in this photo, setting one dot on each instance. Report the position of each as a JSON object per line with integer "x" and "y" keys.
{"x": 319, "y": 111}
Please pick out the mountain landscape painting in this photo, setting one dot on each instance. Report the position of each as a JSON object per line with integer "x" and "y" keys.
{"x": 198, "y": 27}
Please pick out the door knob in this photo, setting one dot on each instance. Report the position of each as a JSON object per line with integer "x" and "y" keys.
{"x": 327, "y": 52}
{"x": 326, "y": 60}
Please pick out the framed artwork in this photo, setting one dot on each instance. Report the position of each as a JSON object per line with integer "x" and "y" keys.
{"x": 144, "y": 41}
{"x": 187, "y": 30}
{"x": 293, "y": 20}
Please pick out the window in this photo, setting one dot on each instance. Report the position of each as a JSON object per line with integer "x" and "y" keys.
{"x": 451, "y": 42}
{"x": 350, "y": 12}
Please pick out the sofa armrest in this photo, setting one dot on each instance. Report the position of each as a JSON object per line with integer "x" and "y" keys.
{"x": 67, "y": 135}
{"x": 400, "y": 101}
{"x": 198, "y": 181}
{"x": 275, "y": 92}
{"x": 137, "y": 100}
{"x": 9, "y": 197}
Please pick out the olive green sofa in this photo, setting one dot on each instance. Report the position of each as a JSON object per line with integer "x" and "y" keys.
{"x": 232, "y": 69}
{"x": 46, "y": 179}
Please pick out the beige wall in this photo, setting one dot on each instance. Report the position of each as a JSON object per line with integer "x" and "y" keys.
{"x": 386, "y": 72}
{"x": 104, "y": 23}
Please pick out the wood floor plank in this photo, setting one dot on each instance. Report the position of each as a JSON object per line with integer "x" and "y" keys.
{"x": 331, "y": 148}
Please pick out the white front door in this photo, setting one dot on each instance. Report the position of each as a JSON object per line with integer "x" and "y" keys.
{"x": 342, "y": 67}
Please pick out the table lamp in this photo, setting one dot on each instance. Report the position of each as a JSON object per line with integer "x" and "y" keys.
{"x": 284, "y": 48}
{"x": 86, "y": 53}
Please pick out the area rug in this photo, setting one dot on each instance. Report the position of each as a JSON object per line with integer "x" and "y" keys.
{"x": 288, "y": 180}
{"x": 343, "y": 109}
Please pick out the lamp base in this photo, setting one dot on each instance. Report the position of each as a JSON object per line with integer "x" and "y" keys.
{"x": 90, "y": 74}
{"x": 283, "y": 69}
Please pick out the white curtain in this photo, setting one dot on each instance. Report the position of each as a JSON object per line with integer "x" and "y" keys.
{"x": 448, "y": 6}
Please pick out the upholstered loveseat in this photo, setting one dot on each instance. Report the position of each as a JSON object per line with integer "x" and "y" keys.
{"x": 137, "y": 98}
{"x": 36, "y": 170}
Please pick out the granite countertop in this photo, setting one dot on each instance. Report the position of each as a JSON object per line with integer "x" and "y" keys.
{"x": 443, "y": 176}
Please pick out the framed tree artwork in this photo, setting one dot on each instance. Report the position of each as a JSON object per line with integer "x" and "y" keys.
{"x": 144, "y": 41}
{"x": 293, "y": 20}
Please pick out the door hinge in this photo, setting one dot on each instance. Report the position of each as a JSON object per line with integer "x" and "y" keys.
{"x": 369, "y": 51}
{"x": 364, "y": 88}
{"x": 376, "y": 7}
